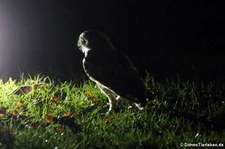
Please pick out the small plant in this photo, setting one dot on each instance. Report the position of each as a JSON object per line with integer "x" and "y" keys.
{"x": 36, "y": 112}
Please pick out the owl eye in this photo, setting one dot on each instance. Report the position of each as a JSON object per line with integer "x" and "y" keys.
{"x": 84, "y": 41}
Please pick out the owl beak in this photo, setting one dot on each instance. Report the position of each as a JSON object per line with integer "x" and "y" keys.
{"x": 78, "y": 43}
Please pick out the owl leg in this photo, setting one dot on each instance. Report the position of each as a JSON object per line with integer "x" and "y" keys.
{"x": 112, "y": 100}
{"x": 112, "y": 97}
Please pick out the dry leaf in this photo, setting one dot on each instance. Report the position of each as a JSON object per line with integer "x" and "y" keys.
{"x": 49, "y": 118}
{"x": 2, "y": 116}
{"x": 66, "y": 114}
{"x": 89, "y": 93}
{"x": 13, "y": 112}
{"x": 23, "y": 90}
{"x": 39, "y": 86}
{"x": 19, "y": 104}
{"x": 53, "y": 97}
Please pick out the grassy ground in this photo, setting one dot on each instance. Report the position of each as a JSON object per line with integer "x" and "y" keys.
{"x": 37, "y": 112}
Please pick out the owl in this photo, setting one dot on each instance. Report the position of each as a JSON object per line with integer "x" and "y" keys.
{"x": 112, "y": 70}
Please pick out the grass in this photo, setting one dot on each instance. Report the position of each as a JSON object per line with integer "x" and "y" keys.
{"x": 36, "y": 112}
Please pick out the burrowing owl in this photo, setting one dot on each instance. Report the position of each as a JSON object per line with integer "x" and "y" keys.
{"x": 112, "y": 70}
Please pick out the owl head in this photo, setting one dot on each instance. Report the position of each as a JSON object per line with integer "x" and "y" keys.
{"x": 94, "y": 40}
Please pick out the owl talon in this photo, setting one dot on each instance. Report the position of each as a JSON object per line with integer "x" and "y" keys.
{"x": 139, "y": 106}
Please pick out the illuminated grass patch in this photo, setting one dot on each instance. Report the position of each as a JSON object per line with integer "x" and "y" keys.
{"x": 37, "y": 112}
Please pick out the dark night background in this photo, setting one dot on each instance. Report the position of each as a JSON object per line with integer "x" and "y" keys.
{"x": 164, "y": 37}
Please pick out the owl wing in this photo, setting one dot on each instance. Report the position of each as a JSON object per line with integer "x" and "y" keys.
{"x": 114, "y": 70}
